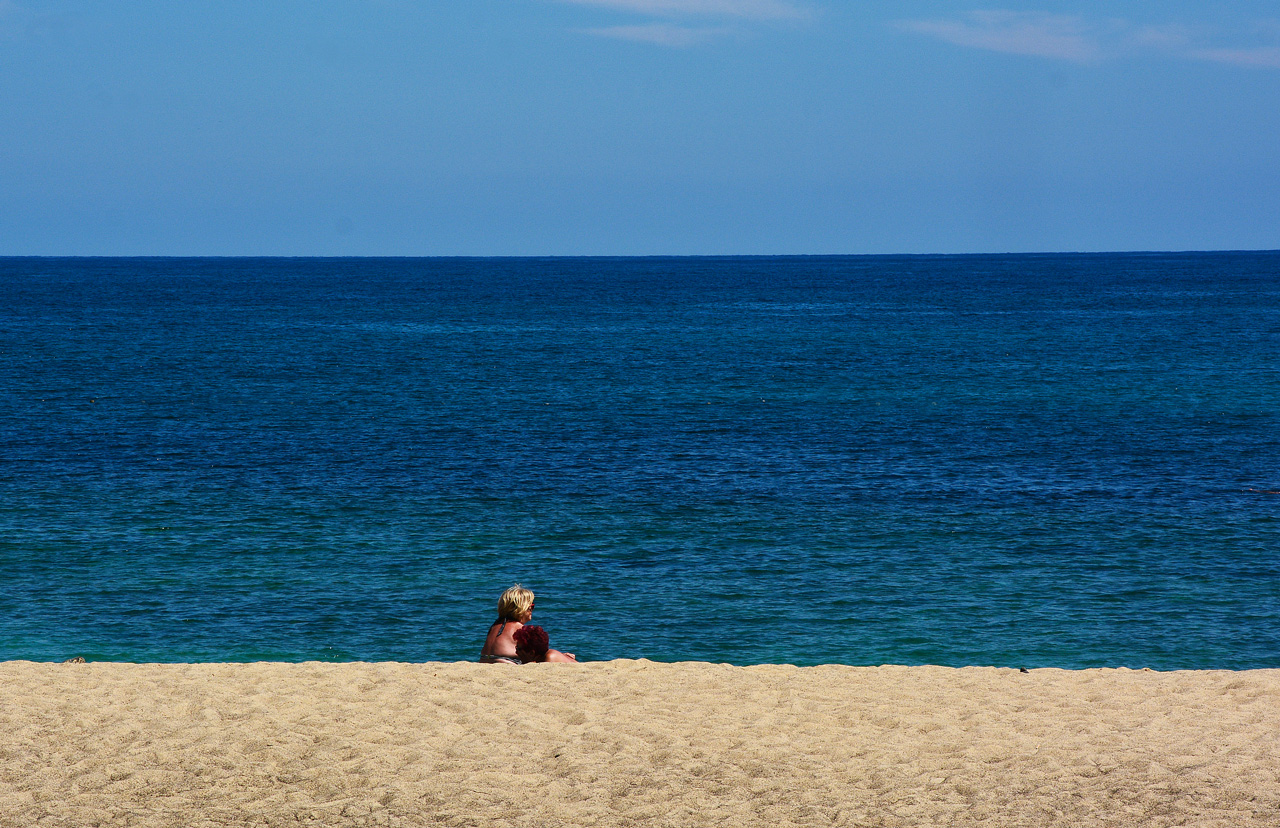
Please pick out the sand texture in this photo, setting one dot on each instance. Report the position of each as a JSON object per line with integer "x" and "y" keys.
{"x": 634, "y": 743}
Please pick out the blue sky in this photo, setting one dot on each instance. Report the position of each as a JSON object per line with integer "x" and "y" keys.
{"x": 633, "y": 127}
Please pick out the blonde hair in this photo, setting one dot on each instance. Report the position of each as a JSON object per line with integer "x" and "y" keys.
{"x": 514, "y": 603}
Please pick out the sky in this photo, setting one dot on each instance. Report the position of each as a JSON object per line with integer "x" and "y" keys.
{"x": 636, "y": 127}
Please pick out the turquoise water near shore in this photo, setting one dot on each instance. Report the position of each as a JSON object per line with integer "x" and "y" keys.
{"x": 1050, "y": 460}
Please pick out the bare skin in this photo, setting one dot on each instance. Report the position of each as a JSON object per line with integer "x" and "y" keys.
{"x": 504, "y": 644}
{"x": 564, "y": 658}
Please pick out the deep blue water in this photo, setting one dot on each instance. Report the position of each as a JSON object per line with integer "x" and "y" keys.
{"x": 1054, "y": 460}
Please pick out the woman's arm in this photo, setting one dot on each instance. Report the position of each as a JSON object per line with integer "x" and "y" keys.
{"x": 561, "y": 658}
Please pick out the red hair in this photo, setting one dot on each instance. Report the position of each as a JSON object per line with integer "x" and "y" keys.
{"x": 534, "y": 640}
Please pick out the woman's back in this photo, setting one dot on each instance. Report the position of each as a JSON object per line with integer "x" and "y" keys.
{"x": 515, "y": 608}
{"x": 499, "y": 644}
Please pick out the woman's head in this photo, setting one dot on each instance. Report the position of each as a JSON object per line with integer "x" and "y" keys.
{"x": 515, "y": 604}
{"x": 532, "y": 644}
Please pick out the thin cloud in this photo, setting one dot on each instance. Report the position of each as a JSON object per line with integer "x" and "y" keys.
{"x": 1076, "y": 39}
{"x": 1017, "y": 33}
{"x": 743, "y": 9}
{"x": 1170, "y": 38}
{"x": 662, "y": 34}
{"x": 17, "y": 20}
{"x": 10, "y": 15}
{"x": 1259, "y": 57}
{"x": 666, "y": 22}
{"x": 1262, "y": 53}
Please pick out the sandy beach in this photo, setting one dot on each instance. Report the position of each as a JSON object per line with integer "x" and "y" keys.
{"x": 634, "y": 743}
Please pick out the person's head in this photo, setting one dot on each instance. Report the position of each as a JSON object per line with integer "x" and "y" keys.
{"x": 516, "y": 604}
{"x": 532, "y": 644}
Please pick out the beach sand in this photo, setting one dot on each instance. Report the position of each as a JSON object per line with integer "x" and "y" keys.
{"x": 634, "y": 743}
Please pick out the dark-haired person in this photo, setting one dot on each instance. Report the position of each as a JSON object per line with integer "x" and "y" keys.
{"x": 515, "y": 608}
{"x": 533, "y": 647}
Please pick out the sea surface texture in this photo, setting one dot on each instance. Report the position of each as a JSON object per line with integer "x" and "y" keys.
{"x": 1052, "y": 460}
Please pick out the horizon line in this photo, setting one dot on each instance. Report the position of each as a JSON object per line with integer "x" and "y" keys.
{"x": 1138, "y": 252}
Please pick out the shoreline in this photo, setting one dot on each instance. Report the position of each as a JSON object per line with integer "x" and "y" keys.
{"x": 634, "y": 742}
{"x": 1015, "y": 666}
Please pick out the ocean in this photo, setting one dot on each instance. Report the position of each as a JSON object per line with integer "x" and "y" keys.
{"x": 1020, "y": 460}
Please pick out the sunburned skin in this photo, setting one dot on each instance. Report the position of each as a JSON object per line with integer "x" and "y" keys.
{"x": 500, "y": 642}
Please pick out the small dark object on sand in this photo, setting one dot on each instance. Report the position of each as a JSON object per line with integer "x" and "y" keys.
{"x": 76, "y": 660}
{"x": 1023, "y": 670}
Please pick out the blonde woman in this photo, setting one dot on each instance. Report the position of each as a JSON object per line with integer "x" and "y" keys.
{"x": 515, "y": 608}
